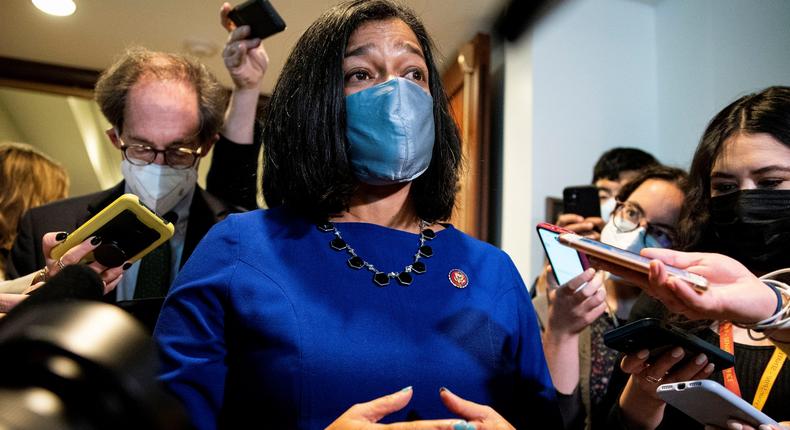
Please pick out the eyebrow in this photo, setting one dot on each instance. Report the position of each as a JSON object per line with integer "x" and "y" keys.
{"x": 760, "y": 171}
{"x": 771, "y": 168}
{"x": 180, "y": 142}
{"x": 364, "y": 49}
{"x": 635, "y": 204}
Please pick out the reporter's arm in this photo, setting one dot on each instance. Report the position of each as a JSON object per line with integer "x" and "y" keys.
{"x": 247, "y": 62}
{"x": 18, "y": 285}
{"x": 572, "y": 307}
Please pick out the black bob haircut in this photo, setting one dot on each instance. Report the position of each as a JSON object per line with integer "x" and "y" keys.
{"x": 618, "y": 160}
{"x": 305, "y": 165}
{"x": 765, "y": 112}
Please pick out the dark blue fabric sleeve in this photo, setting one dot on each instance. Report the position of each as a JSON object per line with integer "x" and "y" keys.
{"x": 190, "y": 331}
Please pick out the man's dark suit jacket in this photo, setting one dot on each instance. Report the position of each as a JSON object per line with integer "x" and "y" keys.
{"x": 66, "y": 215}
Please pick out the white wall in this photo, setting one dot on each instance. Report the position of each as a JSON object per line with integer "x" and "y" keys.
{"x": 710, "y": 52}
{"x": 595, "y": 74}
{"x": 582, "y": 82}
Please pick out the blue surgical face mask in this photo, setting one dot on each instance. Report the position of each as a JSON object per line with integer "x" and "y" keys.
{"x": 390, "y": 132}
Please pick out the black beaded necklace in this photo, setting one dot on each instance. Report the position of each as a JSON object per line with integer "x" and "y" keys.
{"x": 383, "y": 278}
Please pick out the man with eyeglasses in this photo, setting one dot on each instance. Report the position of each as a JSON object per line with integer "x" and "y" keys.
{"x": 166, "y": 112}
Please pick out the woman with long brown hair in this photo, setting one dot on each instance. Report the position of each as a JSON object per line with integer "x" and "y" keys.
{"x": 28, "y": 178}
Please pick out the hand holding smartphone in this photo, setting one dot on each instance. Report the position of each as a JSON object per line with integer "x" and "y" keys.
{"x": 626, "y": 259}
{"x": 260, "y": 15}
{"x": 658, "y": 337}
{"x": 128, "y": 230}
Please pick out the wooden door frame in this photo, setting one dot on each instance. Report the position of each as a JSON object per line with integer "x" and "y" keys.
{"x": 470, "y": 74}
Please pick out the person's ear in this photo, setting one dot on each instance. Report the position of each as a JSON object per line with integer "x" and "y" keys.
{"x": 112, "y": 134}
{"x": 208, "y": 144}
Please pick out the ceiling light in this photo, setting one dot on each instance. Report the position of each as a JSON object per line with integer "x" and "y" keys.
{"x": 56, "y": 7}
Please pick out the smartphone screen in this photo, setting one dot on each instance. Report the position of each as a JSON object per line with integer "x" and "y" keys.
{"x": 565, "y": 261}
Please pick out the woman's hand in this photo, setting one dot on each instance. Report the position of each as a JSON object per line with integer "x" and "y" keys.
{"x": 588, "y": 227}
{"x": 639, "y": 403}
{"x": 576, "y": 304}
{"x": 365, "y": 416}
{"x": 245, "y": 59}
{"x": 111, "y": 276}
{"x": 572, "y": 307}
{"x": 739, "y": 425}
{"x": 729, "y": 282}
{"x": 478, "y": 417}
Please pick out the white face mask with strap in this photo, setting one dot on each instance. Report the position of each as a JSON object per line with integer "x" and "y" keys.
{"x": 634, "y": 240}
{"x": 159, "y": 187}
{"x": 607, "y": 207}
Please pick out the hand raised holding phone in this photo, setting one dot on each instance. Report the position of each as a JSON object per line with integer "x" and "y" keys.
{"x": 244, "y": 57}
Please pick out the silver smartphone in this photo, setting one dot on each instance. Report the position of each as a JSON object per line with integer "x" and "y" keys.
{"x": 710, "y": 403}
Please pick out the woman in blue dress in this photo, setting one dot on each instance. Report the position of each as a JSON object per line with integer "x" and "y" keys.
{"x": 318, "y": 312}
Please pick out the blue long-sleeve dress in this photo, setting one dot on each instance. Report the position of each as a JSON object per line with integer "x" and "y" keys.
{"x": 268, "y": 326}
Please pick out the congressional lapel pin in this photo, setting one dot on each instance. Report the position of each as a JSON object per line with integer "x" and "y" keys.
{"x": 458, "y": 278}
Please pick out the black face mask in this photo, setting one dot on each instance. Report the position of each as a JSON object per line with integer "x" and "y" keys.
{"x": 753, "y": 227}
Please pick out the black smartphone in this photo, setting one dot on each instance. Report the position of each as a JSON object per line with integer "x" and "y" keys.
{"x": 658, "y": 337}
{"x": 260, "y": 15}
{"x": 581, "y": 200}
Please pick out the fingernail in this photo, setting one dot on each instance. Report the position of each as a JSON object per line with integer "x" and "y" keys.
{"x": 700, "y": 359}
{"x": 95, "y": 240}
{"x": 461, "y": 425}
{"x": 709, "y": 368}
{"x": 642, "y": 354}
{"x": 677, "y": 352}
{"x": 764, "y": 427}
{"x": 407, "y": 388}
{"x": 60, "y": 237}
{"x": 470, "y": 426}
{"x": 126, "y": 266}
{"x": 732, "y": 425}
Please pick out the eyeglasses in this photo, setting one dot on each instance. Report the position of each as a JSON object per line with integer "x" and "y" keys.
{"x": 627, "y": 217}
{"x": 178, "y": 157}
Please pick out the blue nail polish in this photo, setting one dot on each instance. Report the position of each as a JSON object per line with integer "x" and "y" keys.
{"x": 407, "y": 388}
{"x": 461, "y": 425}
{"x": 470, "y": 426}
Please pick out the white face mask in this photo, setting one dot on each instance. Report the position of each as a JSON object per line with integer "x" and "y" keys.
{"x": 607, "y": 207}
{"x": 160, "y": 187}
{"x": 633, "y": 240}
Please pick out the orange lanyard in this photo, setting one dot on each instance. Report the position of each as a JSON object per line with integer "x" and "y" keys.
{"x": 727, "y": 343}
{"x": 770, "y": 373}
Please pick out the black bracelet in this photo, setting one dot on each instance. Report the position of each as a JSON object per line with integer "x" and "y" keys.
{"x": 778, "y": 301}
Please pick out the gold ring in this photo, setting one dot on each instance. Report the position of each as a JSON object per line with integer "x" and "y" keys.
{"x": 653, "y": 380}
{"x": 60, "y": 264}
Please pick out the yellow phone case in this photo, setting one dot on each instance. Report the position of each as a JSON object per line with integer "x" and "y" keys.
{"x": 128, "y": 230}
